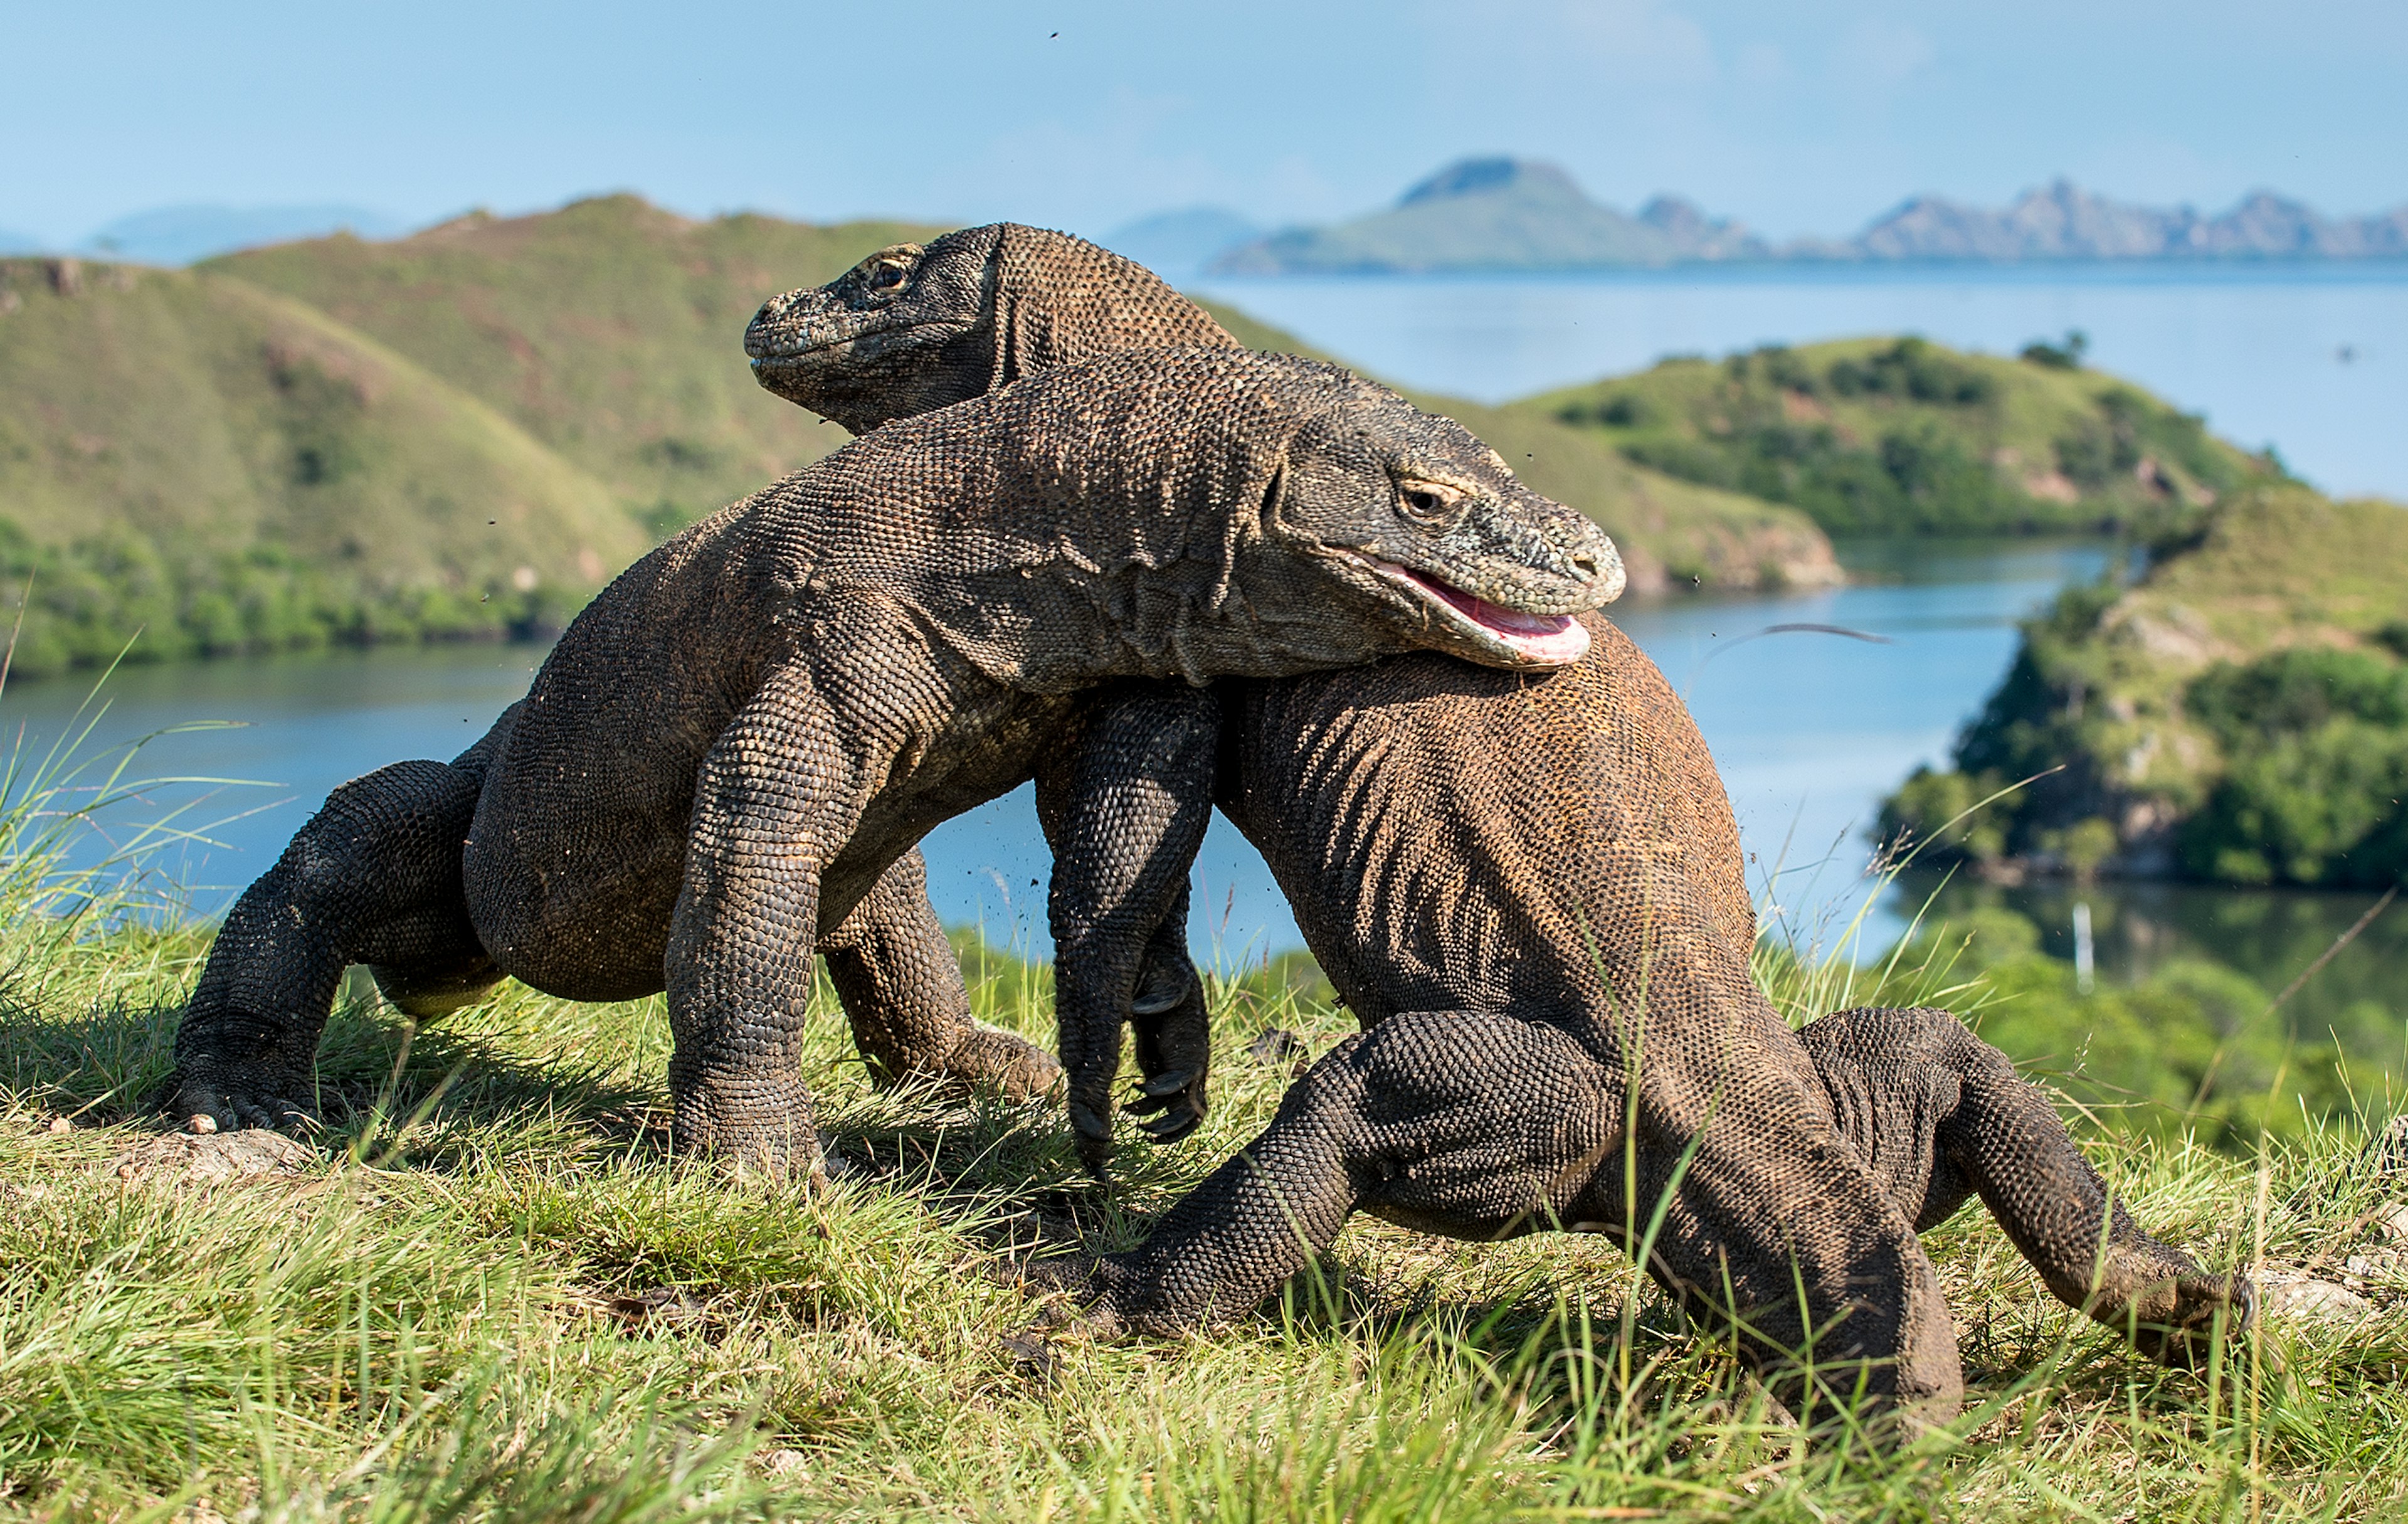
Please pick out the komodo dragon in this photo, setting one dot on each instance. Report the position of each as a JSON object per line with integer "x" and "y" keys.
{"x": 1527, "y": 890}
{"x": 745, "y": 729}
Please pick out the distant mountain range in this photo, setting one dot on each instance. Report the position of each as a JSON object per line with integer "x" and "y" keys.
{"x": 171, "y": 236}
{"x": 1178, "y": 245}
{"x": 1520, "y": 214}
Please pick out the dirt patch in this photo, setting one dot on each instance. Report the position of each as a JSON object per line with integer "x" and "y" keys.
{"x": 214, "y": 1159}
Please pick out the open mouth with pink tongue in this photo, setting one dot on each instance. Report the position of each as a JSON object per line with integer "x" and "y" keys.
{"x": 1535, "y": 639}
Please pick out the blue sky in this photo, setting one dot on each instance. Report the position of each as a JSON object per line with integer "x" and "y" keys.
{"x": 1797, "y": 117}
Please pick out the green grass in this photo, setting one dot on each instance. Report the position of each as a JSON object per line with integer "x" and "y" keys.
{"x": 496, "y": 1295}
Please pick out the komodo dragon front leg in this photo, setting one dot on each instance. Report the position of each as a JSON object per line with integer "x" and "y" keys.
{"x": 779, "y": 795}
{"x": 1126, "y": 811}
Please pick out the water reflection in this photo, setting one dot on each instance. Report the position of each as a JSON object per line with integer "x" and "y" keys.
{"x": 2271, "y": 935}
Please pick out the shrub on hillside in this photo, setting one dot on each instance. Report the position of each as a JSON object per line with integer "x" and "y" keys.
{"x": 2191, "y": 1048}
{"x": 173, "y": 599}
{"x": 2316, "y": 765}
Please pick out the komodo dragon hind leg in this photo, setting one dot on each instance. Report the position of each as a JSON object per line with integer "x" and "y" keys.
{"x": 374, "y": 877}
{"x": 902, "y": 991}
{"x": 1940, "y": 1115}
{"x": 1481, "y": 1126}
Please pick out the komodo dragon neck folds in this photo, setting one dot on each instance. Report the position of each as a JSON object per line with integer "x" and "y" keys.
{"x": 732, "y": 744}
{"x": 1529, "y": 892}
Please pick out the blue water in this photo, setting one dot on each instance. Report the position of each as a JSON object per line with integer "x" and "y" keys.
{"x": 1808, "y": 729}
{"x": 2313, "y": 359}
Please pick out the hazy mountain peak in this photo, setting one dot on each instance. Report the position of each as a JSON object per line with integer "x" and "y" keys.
{"x": 1178, "y": 244}
{"x": 2062, "y": 221}
{"x": 1496, "y": 212}
{"x": 1490, "y": 173}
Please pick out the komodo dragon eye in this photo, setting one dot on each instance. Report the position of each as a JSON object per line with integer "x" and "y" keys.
{"x": 1428, "y": 502}
{"x": 888, "y": 276}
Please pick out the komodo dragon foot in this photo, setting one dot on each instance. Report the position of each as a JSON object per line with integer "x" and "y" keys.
{"x": 373, "y": 878}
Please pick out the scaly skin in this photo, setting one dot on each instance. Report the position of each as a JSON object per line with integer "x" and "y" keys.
{"x": 1530, "y": 893}
{"x": 732, "y": 744}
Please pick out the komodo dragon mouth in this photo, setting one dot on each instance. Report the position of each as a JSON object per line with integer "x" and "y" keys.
{"x": 772, "y": 350}
{"x": 1521, "y": 639}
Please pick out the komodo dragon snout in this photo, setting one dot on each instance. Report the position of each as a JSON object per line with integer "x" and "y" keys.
{"x": 1429, "y": 523}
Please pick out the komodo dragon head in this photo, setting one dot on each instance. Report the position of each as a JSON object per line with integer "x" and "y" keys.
{"x": 1416, "y": 513}
{"x": 915, "y": 327}
{"x": 1413, "y": 512}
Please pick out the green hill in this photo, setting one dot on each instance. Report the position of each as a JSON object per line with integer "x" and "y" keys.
{"x": 2239, "y": 715}
{"x": 229, "y": 469}
{"x": 1888, "y": 436}
{"x": 610, "y": 330}
{"x": 467, "y": 431}
{"x": 1671, "y": 533}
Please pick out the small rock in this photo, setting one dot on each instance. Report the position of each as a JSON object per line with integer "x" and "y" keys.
{"x": 663, "y": 1304}
{"x": 2306, "y": 1299}
{"x": 202, "y": 1122}
{"x": 1276, "y": 1045}
{"x": 208, "y": 1159}
{"x": 1032, "y": 1355}
{"x": 786, "y": 1465}
{"x": 61, "y": 1125}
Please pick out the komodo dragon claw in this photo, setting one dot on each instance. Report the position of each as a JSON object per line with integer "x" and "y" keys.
{"x": 1174, "y": 1101}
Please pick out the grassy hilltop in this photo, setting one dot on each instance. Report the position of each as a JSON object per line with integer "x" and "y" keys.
{"x": 2238, "y": 714}
{"x": 230, "y": 469}
{"x": 610, "y": 330}
{"x": 1875, "y": 436}
{"x": 462, "y": 433}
